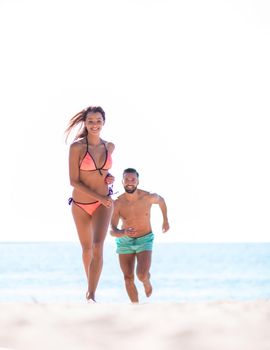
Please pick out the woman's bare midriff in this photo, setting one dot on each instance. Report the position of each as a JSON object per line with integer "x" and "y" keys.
{"x": 95, "y": 182}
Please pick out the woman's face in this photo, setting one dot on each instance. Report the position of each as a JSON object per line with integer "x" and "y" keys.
{"x": 94, "y": 123}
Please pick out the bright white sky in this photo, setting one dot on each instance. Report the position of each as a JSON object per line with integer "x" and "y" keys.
{"x": 185, "y": 86}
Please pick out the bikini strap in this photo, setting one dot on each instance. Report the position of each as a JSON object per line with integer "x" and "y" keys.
{"x": 106, "y": 149}
{"x": 99, "y": 169}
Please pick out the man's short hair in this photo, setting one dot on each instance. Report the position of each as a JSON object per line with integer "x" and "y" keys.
{"x": 130, "y": 171}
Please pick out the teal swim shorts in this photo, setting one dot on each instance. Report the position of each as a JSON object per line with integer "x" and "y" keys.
{"x": 128, "y": 245}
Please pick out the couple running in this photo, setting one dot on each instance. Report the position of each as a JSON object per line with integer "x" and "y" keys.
{"x": 93, "y": 209}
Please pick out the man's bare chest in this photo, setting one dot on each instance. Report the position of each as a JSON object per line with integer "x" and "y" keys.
{"x": 134, "y": 210}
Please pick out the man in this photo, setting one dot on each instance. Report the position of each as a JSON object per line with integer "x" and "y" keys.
{"x": 135, "y": 238}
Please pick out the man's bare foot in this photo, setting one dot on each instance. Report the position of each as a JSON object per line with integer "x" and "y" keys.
{"x": 89, "y": 301}
{"x": 90, "y": 298}
{"x": 147, "y": 287}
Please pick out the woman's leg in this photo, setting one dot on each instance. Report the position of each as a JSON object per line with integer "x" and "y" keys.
{"x": 83, "y": 223}
{"x": 100, "y": 222}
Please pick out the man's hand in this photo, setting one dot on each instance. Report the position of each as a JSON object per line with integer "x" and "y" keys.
{"x": 165, "y": 226}
{"x": 130, "y": 231}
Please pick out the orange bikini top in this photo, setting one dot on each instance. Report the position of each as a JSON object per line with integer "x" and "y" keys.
{"x": 88, "y": 163}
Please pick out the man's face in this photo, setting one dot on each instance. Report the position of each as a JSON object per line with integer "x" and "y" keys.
{"x": 130, "y": 182}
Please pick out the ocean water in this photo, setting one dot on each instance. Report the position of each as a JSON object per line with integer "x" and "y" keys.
{"x": 53, "y": 272}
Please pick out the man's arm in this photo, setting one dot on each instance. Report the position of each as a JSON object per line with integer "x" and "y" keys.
{"x": 115, "y": 232}
{"x": 156, "y": 199}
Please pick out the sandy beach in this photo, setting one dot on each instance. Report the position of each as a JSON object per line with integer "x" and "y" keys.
{"x": 187, "y": 326}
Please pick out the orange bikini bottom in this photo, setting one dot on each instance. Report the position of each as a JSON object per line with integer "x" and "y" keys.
{"x": 89, "y": 208}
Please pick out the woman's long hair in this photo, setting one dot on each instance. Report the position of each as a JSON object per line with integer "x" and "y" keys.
{"x": 80, "y": 118}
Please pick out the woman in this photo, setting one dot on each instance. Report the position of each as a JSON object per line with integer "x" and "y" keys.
{"x": 89, "y": 163}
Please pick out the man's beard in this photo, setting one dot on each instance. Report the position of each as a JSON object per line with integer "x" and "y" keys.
{"x": 130, "y": 189}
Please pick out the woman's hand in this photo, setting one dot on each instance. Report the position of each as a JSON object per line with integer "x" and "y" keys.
{"x": 106, "y": 201}
{"x": 109, "y": 179}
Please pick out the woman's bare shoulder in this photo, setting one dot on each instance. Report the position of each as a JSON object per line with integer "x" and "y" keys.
{"x": 78, "y": 144}
{"x": 110, "y": 146}
{"x": 77, "y": 147}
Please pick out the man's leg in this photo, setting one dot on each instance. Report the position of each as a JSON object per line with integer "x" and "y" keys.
{"x": 143, "y": 268}
{"x": 127, "y": 263}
